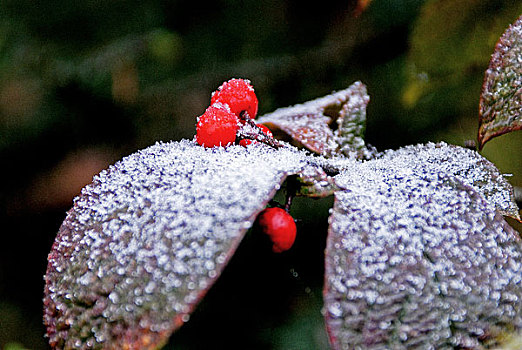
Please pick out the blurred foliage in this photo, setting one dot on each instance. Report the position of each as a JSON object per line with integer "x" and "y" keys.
{"x": 451, "y": 45}
{"x": 14, "y": 346}
{"x": 85, "y": 83}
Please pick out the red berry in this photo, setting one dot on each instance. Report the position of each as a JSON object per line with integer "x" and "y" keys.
{"x": 280, "y": 228}
{"x": 217, "y": 126}
{"x": 239, "y": 95}
{"x": 246, "y": 142}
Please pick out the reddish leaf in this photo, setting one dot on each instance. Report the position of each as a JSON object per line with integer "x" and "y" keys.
{"x": 309, "y": 130}
{"x": 145, "y": 241}
{"x": 500, "y": 109}
{"x": 417, "y": 259}
{"x": 309, "y": 123}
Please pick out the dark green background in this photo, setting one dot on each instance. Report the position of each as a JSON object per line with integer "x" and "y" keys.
{"x": 84, "y": 83}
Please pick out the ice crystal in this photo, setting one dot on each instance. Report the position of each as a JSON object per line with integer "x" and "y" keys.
{"x": 501, "y": 98}
{"x": 149, "y": 236}
{"x": 417, "y": 258}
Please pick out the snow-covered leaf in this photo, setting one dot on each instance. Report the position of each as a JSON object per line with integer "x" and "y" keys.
{"x": 309, "y": 130}
{"x": 144, "y": 242}
{"x": 466, "y": 165}
{"x": 416, "y": 258}
{"x": 501, "y": 99}
{"x": 352, "y": 122}
{"x": 309, "y": 123}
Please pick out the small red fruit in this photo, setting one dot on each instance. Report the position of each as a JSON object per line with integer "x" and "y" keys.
{"x": 265, "y": 129}
{"x": 239, "y": 95}
{"x": 246, "y": 142}
{"x": 217, "y": 126}
{"x": 280, "y": 228}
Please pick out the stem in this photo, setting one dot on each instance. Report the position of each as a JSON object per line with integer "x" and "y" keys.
{"x": 257, "y": 134}
{"x": 291, "y": 190}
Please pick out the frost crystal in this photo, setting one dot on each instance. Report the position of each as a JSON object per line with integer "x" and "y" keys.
{"x": 149, "y": 236}
{"x": 417, "y": 258}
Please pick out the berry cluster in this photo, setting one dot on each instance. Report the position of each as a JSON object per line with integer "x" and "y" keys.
{"x": 230, "y": 120}
{"x": 230, "y": 117}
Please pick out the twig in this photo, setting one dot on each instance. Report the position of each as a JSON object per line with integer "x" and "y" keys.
{"x": 255, "y": 132}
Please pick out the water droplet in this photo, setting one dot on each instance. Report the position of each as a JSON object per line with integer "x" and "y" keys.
{"x": 335, "y": 309}
{"x": 114, "y": 297}
{"x": 149, "y": 288}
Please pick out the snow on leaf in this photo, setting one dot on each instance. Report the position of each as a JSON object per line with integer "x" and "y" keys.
{"x": 352, "y": 121}
{"x": 309, "y": 123}
{"x": 418, "y": 259}
{"x": 144, "y": 242}
{"x": 500, "y": 109}
{"x": 309, "y": 130}
{"x": 466, "y": 165}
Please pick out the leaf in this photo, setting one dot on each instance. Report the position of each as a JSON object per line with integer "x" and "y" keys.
{"x": 416, "y": 259}
{"x": 308, "y": 123}
{"x": 500, "y": 109}
{"x": 310, "y": 130}
{"x": 466, "y": 165}
{"x": 352, "y": 121}
{"x": 145, "y": 241}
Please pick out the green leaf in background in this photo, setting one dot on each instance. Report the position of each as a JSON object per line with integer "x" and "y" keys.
{"x": 450, "y": 46}
{"x": 14, "y": 346}
{"x": 501, "y": 99}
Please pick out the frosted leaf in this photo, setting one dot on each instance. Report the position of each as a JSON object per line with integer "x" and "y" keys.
{"x": 352, "y": 122}
{"x": 309, "y": 130}
{"x": 500, "y": 109}
{"x": 418, "y": 259}
{"x": 468, "y": 166}
{"x": 150, "y": 235}
{"x": 309, "y": 123}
